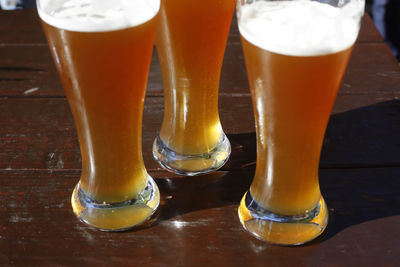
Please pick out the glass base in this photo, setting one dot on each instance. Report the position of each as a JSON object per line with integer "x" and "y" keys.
{"x": 190, "y": 165}
{"x": 279, "y": 229}
{"x": 119, "y": 216}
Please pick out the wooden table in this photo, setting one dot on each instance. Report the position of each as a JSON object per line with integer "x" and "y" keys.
{"x": 197, "y": 224}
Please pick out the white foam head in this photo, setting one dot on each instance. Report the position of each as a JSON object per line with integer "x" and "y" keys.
{"x": 97, "y": 15}
{"x": 301, "y": 28}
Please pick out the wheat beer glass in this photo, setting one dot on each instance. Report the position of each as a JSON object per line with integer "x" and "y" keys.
{"x": 102, "y": 50}
{"x": 296, "y": 53}
{"x": 190, "y": 43}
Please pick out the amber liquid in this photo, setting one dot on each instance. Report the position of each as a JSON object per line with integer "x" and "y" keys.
{"x": 292, "y": 99}
{"x": 190, "y": 43}
{"x": 104, "y": 75}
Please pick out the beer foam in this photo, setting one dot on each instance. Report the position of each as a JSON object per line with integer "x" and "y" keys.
{"x": 301, "y": 28}
{"x": 97, "y": 15}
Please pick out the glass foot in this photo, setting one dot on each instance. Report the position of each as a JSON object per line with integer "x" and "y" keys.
{"x": 190, "y": 165}
{"x": 116, "y": 216}
{"x": 282, "y": 230}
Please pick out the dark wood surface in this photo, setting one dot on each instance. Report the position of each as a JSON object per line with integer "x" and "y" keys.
{"x": 197, "y": 224}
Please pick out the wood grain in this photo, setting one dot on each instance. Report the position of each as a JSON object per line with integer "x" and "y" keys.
{"x": 197, "y": 224}
{"x": 38, "y": 133}
{"x": 21, "y": 28}
{"x": 25, "y": 69}
{"x": 38, "y": 227}
{"x": 368, "y": 32}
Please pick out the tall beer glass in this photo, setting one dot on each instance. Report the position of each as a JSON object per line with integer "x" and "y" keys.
{"x": 102, "y": 50}
{"x": 296, "y": 53}
{"x": 190, "y": 44}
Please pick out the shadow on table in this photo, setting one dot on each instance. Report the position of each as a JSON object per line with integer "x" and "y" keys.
{"x": 364, "y": 137}
{"x": 360, "y": 162}
{"x": 180, "y": 196}
{"x": 359, "y": 178}
{"x": 355, "y": 196}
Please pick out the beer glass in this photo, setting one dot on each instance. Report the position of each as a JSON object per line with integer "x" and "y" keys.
{"x": 102, "y": 50}
{"x": 190, "y": 43}
{"x": 296, "y": 53}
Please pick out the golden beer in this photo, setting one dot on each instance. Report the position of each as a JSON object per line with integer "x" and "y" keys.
{"x": 295, "y": 67}
{"x": 190, "y": 43}
{"x": 104, "y": 74}
{"x": 292, "y": 98}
